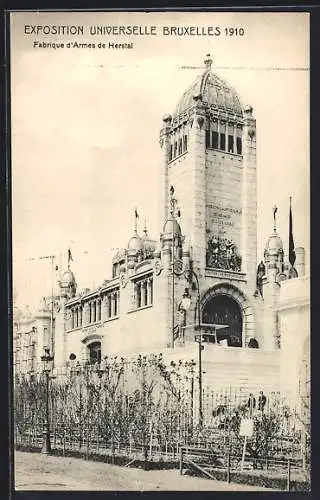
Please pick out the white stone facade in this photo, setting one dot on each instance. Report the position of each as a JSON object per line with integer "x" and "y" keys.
{"x": 208, "y": 157}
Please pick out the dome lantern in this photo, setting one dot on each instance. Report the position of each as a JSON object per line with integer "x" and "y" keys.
{"x": 273, "y": 253}
{"x": 214, "y": 93}
{"x": 135, "y": 242}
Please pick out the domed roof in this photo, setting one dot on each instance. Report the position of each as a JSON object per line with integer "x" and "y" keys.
{"x": 135, "y": 242}
{"x": 171, "y": 227}
{"x": 68, "y": 277}
{"x": 211, "y": 90}
{"x": 274, "y": 244}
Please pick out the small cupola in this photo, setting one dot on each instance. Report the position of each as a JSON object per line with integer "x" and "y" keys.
{"x": 273, "y": 254}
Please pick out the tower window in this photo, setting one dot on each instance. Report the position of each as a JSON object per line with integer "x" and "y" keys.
{"x": 175, "y": 149}
{"x": 230, "y": 143}
{"x": 215, "y": 140}
{"x": 239, "y": 145}
{"x": 180, "y": 147}
{"x": 170, "y": 152}
{"x": 207, "y": 138}
{"x": 185, "y": 143}
{"x": 223, "y": 142}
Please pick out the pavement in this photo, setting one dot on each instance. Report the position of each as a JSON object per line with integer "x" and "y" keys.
{"x": 34, "y": 471}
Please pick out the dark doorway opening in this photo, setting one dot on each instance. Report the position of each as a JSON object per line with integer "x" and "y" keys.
{"x": 95, "y": 352}
{"x": 224, "y": 310}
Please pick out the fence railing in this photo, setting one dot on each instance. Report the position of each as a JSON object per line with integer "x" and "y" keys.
{"x": 148, "y": 409}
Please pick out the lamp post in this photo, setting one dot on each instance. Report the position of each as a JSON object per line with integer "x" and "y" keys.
{"x": 185, "y": 304}
{"x": 46, "y": 359}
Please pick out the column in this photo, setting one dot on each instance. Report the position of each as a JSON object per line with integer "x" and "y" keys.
{"x": 135, "y": 295}
{"x": 235, "y": 138}
{"x": 165, "y": 143}
{"x": 94, "y": 311}
{"x": 218, "y": 129}
{"x": 86, "y": 312}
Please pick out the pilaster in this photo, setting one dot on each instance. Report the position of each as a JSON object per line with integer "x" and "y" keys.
{"x": 198, "y": 179}
{"x": 249, "y": 200}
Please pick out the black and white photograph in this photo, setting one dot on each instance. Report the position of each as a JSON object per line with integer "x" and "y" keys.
{"x": 160, "y": 186}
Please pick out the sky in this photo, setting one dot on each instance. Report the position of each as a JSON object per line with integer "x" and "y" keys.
{"x": 85, "y": 131}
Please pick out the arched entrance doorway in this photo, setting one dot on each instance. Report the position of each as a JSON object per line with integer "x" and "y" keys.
{"x": 94, "y": 352}
{"x": 224, "y": 312}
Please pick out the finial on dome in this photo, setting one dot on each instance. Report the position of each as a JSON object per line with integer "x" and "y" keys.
{"x": 173, "y": 201}
{"x": 208, "y": 61}
{"x": 136, "y": 217}
{"x": 145, "y": 228}
{"x": 274, "y": 211}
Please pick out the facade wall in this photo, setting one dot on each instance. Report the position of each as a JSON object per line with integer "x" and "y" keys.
{"x": 248, "y": 370}
{"x": 294, "y": 328}
{"x": 223, "y": 195}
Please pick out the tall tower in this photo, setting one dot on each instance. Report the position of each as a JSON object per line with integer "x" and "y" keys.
{"x": 209, "y": 156}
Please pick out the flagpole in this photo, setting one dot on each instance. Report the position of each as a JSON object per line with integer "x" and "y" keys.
{"x": 292, "y": 254}
{"x": 173, "y": 283}
{"x": 51, "y": 311}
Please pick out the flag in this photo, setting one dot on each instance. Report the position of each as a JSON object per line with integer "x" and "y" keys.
{"x": 292, "y": 253}
{"x": 136, "y": 214}
{"x": 70, "y": 259}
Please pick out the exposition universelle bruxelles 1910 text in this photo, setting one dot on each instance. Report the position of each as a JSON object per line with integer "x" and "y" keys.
{"x": 114, "y": 31}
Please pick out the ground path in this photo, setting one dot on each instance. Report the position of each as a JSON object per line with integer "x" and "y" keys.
{"x": 34, "y": 471}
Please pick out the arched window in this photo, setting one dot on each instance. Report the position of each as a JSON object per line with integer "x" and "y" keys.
{"x": 94, "y": 352}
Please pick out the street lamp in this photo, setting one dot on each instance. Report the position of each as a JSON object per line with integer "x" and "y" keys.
{"x": 185, "y": 304}
{"x": 46, "y": 359}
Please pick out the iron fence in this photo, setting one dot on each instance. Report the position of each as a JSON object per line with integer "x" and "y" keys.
{"x": 147, "y": 409}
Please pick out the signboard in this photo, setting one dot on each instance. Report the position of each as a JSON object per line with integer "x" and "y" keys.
{"x": 246, "y": 427}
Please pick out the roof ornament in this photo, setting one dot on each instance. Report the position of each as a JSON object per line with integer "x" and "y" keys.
{"x": 173, "y": 202}
{"x": 208, "y": 62}
{"x": 145, "y": 228}
{"x": 136, "y": 217}
{"x": 274, "y": 211}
